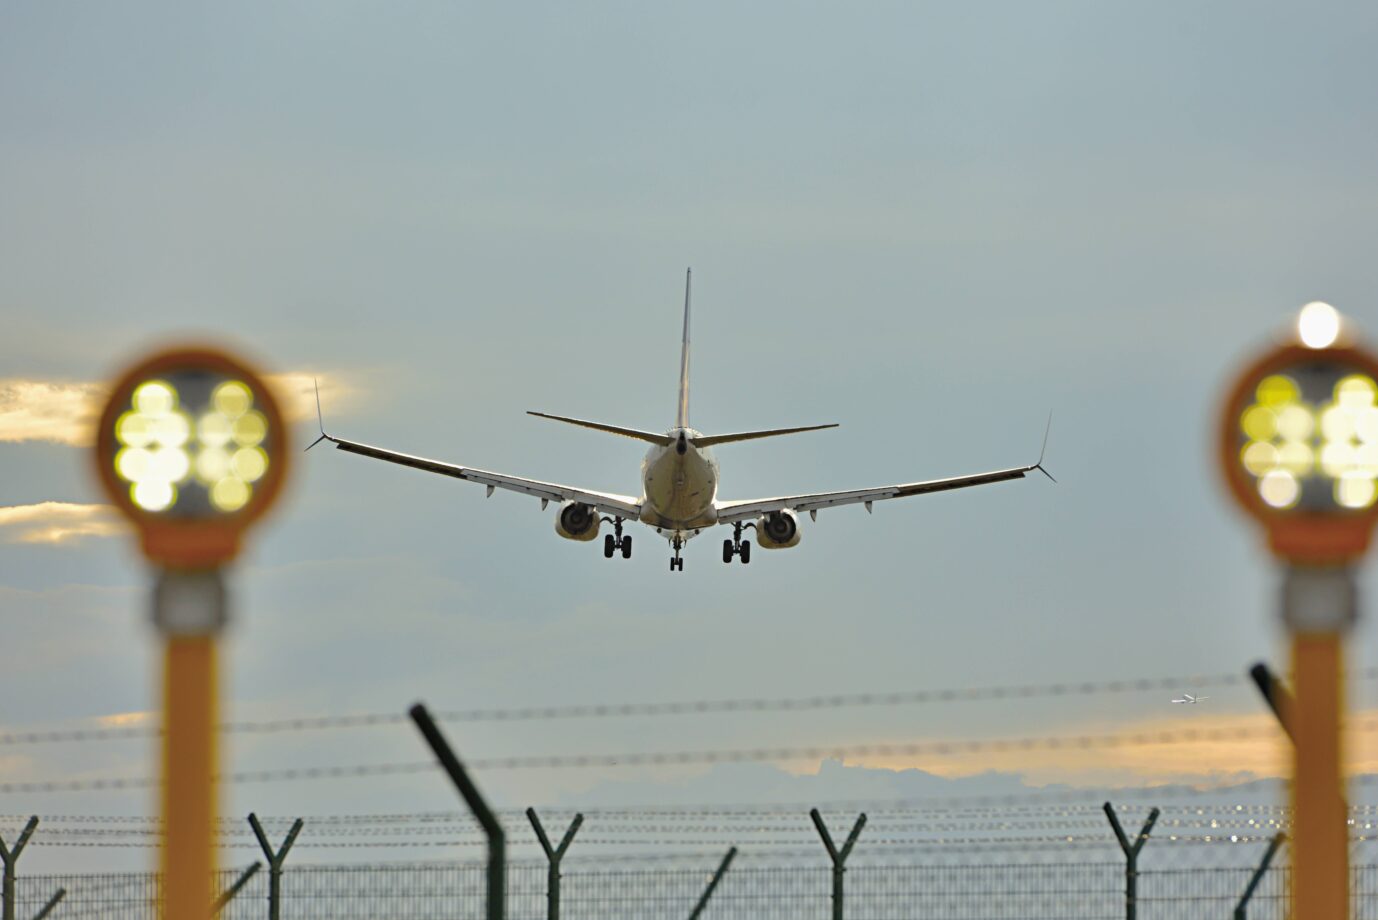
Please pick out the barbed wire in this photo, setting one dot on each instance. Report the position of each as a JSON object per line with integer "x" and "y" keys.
{"x": 1102, "y": 841}
{"x": 706, "y": 757}
{"x": 674, "y": 708}
{"x": 877, "y": 808}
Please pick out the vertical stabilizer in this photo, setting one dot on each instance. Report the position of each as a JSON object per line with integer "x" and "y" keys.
{"x": 682, "y": 414}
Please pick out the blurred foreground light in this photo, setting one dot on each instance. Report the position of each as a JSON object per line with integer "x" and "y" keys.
{"x": 1318, "y": 325}
{"x": 192, "y": 448}
{"x": 1299, "y": 442}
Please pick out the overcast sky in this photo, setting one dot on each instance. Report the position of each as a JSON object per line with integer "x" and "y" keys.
{"x": 929, "y": 223}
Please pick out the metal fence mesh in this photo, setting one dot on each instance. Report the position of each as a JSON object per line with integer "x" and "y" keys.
{"x": 1089, "y": 891}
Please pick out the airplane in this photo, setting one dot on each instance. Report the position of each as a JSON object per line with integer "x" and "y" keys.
{"x": 1191, "y": 700}
{"x": 679, "y": 478}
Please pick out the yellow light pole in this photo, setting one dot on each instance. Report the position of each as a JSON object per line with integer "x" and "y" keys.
{"x": 1298, "y": 444}
{"x": 192, "y": 449}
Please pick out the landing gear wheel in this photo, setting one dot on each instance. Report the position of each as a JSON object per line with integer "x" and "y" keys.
{"x": 745, "y": 552}
{"x": 608, "y": 546}
{"x": 727, "y": 551}
{"x": 676, "y": 565}
{"x": 626, "y": 547}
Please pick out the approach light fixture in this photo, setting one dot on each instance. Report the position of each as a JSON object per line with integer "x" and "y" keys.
{"x": 1299, "y": 442}
{"x": 191, "y": 447}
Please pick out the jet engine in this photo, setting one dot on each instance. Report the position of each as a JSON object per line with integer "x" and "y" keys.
{"x": 778, "y": 530}
{"x": 577, "y": 521}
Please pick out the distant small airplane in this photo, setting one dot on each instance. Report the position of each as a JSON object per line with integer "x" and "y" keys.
{"x": 679, "y": 485}
{"x": 1188, "y": 698}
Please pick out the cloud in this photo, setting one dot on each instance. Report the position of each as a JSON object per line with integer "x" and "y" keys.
{"x": 64, "y": 412}
{"x": 57, "y": 523}
{"x": 127, "y": 719}
{"x": 297, "y": 392}
{"x": 44, "y": 410}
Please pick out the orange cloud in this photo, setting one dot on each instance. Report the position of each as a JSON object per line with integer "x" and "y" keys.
{"x": 1226, "y": 747}
{"x": 42, "y": 410}
{"x": 57, "y": 523}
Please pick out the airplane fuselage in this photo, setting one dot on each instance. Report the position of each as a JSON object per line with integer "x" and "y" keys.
{"x": 679, "y": 484}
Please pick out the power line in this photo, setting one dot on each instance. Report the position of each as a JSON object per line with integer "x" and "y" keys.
{"x": 690, "y": 707}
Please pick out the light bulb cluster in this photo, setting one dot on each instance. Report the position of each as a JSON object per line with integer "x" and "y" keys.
{"x": 176, "y": 457}
{"x": 1289, "y": 441}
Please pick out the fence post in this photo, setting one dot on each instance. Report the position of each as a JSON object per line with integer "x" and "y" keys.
{"x": 1131, "y": 857}
{"x": 1275, "y": 694}
{"x": 275, "y": 861}
{"x": 228, "y": 895}
{"x": 497, "y": 838}
{"x": 554, "y": 854}
{"x": 717, "y": 877}
{"x": 1241, "y": 909}
{"x": 839, "y": 857}
{"x": 52, "y": 903}
{"x": 10, "y": 856}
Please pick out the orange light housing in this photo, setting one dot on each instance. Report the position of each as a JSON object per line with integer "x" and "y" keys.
{"x": 191, "y": 447}
{"x": 1298, "y": 446}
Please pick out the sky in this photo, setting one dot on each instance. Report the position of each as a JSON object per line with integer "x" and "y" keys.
{"x": 930, "y": 223}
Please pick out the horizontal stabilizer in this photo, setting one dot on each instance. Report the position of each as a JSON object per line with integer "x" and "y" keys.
{"x": 710, "y": 440}
{"x": 651, "y": 436}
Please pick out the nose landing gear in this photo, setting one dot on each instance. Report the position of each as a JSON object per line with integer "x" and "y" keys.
{"x": 611, "y": 543}
{"x": 676, "y": 563}
{"x": 737, "y": 546}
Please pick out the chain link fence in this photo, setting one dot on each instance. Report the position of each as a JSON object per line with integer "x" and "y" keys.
{"x": 1086, "y": 891}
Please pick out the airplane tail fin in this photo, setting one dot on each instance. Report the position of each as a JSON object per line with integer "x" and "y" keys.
{"x": 682, "y": 410}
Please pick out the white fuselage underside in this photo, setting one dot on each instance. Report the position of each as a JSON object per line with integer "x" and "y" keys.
{"x": 680, "y": 484}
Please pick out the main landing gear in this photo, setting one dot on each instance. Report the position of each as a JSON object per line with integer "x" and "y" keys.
{"x": 737, "y": 546}
{"x": 611, "y": 543}
{"x": 676, "y": 563}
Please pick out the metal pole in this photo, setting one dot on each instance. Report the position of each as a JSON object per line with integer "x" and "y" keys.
{"x": 554, "y": 854}
{"x": 1319, "y": 604}
{"x": 497, "y": 839}
{"x": 1241, "y": 909}
{"x": 717, "y": 877}
{"x": 275, "y": 861}
{"x": 52, "y": 903}
{"x": 839, "y": 857}
{"x": 189, "y": 610}
{"x": 234, "y": 889}
{"x": 10, "y": 856}
{"x": 1275, "y": 694}
{"x": 1131, "y": 857}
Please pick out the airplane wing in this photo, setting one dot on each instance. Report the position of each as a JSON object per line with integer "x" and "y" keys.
{"x": 731, "y": 512}
{"x": 623, "y": 506}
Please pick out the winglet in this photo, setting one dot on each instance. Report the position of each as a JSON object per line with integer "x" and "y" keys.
{"x": 1039, "y": 465}
{"x": 320, "y": 419}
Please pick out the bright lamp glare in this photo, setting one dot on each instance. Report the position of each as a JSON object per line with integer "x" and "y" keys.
{"x": 1318, "y": 325}
{"x": 1289, "y": 441}
{"x": 1355, "y": 490}
{"x": 1279, "y": 489}
{"x": 160, "y": 448}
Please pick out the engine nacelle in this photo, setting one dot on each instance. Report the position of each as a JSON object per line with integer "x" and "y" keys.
{"x": 577, "y": 521}
{"x": 778, "y": 530}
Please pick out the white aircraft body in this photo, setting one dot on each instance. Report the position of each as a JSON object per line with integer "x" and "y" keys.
{"x": 679, "y": 480}
{"x": 1190, "y": 700}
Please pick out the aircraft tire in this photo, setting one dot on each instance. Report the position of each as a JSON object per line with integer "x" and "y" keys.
{"x": 746, "y": 552}
{"x": 626, "y": 547}
{"x": 607, "y": 547}
{"x": 727, "y": 551}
